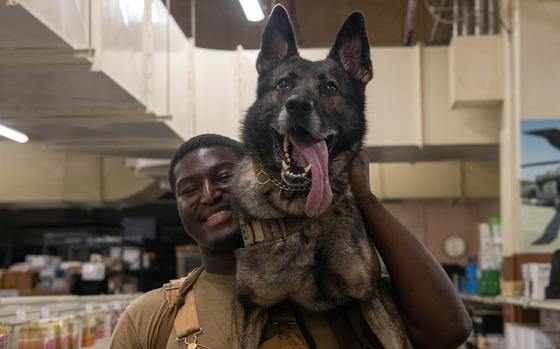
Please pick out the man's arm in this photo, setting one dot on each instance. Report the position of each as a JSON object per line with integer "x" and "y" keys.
{"x": 125, "y": 335}
{"x": 433, "y": 313}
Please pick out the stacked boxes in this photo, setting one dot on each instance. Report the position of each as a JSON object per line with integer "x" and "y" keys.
{"x": 524, "y": 336}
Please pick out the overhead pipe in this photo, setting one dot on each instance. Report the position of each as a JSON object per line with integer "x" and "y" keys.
{"x": 410, "y": 22}
{"x": 456, "y": 17}
{"x": 433, "y": 34}
{"x": 478, "y": 17}
{"x": 466, "y": 16}
{"x": 491, "y": 16}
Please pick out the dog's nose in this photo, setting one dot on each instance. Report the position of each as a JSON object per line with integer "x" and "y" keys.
{"x": 299, "y": 105}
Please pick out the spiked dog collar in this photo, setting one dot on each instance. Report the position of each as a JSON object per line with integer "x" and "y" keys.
{"x": 259, "y": 231}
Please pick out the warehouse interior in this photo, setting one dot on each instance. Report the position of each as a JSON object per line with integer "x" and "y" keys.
{"x": 97, "y": 96}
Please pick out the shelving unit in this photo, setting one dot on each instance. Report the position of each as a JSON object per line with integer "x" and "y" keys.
{"x": 19, "y": 312}
{"x": 528, "y": 303}
{"x": 58, "y": 304}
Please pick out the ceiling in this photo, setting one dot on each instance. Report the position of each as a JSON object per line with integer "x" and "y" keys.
{"x": 48, "y": 91}
{"x": 221, "y": 24}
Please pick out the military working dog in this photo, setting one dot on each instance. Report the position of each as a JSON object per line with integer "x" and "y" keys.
{"x": 304, "y": 236}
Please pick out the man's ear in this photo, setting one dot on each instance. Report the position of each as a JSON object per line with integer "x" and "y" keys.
{"x": 278, "y": 41}
{"x": 351, "y": 48}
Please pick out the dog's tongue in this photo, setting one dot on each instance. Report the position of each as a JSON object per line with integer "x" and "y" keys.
{"x": 315, "y": 152}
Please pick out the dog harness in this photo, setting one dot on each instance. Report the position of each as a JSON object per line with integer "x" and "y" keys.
{"x": 179, "y": 294}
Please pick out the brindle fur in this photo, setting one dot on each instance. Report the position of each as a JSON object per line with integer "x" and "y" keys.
{"x": 332, "y": 261}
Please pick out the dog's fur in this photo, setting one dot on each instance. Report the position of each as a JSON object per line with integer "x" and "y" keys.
{"x": 331, "y": 261}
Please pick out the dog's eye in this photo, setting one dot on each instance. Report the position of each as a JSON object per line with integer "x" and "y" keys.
{"x": 331, "y": 86}
{"x": 283, "y": 85}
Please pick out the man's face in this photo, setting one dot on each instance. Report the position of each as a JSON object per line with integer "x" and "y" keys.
{"x": 203, "y": 197}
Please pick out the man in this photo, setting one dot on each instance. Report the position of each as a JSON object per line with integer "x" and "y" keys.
{"x": 199, "y": 176}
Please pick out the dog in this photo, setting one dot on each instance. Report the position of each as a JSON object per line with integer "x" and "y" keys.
{"x": 302, "y": 133}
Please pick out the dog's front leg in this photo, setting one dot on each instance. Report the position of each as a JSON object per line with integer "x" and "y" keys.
{"x": 248, "y": 323}
{"x": 384, "y": 319}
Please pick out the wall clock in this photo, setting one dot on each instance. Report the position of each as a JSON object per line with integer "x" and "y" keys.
{"x": 454, "y": 246}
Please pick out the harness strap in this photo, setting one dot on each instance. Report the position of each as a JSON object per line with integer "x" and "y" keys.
{"x": 179, "y": 294}
{"x": 186, "y": 322}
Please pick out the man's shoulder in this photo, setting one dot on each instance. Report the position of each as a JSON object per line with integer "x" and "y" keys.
{"x": 148, "y": 301}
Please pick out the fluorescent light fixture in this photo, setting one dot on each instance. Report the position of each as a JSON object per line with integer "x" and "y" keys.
{"x": 13, "y": 134}
{"x": 252, "y": 9}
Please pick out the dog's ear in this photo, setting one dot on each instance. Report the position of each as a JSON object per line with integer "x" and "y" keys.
{"x": 351, "y": 48}
{"x": 278, "y": 41}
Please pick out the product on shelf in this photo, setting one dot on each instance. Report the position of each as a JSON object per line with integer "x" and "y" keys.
{"x": 470, "y": 282}
{"x": 89, "y": 331}
{"x": 535, "y": 278}
{"x": 489, "y": 283}
{"x": 4, "y": 339}
{"x": 58, "y": 330}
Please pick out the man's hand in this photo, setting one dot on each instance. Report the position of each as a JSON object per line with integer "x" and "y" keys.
{"x": 360, "y": 176}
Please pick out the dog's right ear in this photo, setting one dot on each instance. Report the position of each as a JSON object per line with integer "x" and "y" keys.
{"x": 278, "y": 40}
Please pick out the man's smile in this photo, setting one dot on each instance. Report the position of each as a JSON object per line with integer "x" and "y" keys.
{"x": 218, "y": 218}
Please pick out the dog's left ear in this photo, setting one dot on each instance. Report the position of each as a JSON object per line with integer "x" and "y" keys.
{"x": 351, "y": 48}
{"x": 278, "y": 40}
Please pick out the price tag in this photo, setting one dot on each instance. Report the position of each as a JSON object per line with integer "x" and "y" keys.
{"x": 117, "y": 306}
{"x": 21, "y": 315}
{"x": 89, "y": 308}
{"x": 45, "y": 313}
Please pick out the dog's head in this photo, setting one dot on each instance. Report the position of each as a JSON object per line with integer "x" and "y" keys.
{"x": 308, "y": 113}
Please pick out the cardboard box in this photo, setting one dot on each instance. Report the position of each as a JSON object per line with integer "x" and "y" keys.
{"x": 522, "y": 336}
{"x": 16, "y": 280}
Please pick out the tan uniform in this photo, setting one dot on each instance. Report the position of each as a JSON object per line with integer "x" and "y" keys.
{"x": 139, "y": 325}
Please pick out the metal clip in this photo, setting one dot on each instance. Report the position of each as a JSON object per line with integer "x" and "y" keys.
{"x": 283, "y": 328}
{"x": 193, "y": 344}
{"x": 260, "y": 181}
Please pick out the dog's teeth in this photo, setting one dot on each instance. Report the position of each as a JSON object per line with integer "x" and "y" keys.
{"x": 307, "y": 168}
{"x": 286, "y": 144}
{"x": 285, "y": 166}
{"x": 287, "y": 156}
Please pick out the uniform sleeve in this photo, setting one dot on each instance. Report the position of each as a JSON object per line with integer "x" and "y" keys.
{"x": 143, "y": 323}
{"x": 125, "y": 335}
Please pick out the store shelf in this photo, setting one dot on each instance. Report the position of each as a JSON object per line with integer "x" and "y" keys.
{"x": 67, "y": 299}
{"x": 524, "y": 302}
{"x": 56, "y": 305}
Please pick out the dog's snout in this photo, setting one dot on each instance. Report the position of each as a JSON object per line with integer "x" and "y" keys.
{"x": 299, "y": 105}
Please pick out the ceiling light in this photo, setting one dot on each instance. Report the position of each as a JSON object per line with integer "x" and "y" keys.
{"x": 13, "y": 134}
{"x": 252, "y": 9}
